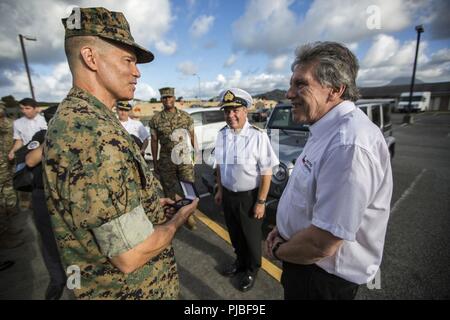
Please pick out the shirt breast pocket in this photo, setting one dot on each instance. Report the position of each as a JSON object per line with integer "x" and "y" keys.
{"x": 302, "y": 183}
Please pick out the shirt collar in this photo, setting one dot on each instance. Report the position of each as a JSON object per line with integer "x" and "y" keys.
{"x": 164, "y": 111}
{"x": 92, "y": 101}
{"x": 331, "y": 118}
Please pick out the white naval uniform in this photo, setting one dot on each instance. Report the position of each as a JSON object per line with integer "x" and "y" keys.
{"x": 136, "y": 128}
{"x": 24, "y": 128}
{"x": 243, "y": 157}
{"x": 342, "y": 183}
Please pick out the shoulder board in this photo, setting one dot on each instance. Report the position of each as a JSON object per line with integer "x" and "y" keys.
{"x": 226, "y": 126}
{"x": 257, "y": 128}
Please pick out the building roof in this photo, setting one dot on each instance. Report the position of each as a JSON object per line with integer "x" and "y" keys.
{"x": 436, "y": 89}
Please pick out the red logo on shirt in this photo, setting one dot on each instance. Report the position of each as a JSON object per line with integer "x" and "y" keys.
{"x": 307, "y": 163}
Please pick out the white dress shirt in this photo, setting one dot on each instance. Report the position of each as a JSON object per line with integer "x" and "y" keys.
{"x": 342, "y": 183}
{"x": 24, "y": 128}
{"x": 135, "y": 127}
{"x": 243, "y": 157}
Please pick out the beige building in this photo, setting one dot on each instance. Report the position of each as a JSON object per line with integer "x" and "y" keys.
{"x": 145, "y": 110}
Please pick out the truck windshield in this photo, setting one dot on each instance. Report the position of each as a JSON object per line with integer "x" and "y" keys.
{"x": 282, "y": 119}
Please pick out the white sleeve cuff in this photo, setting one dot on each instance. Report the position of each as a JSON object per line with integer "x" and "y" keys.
{"x": 337, "y": 231}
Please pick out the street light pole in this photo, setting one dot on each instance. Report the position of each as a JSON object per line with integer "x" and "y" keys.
{"x": 408, "y": 118}
{"x": 21, "y": 37}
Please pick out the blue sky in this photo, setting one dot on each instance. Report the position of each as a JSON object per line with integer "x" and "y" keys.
{"x": 248, "y": 44}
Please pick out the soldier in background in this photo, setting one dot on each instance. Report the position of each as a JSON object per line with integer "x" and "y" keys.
{"x": 24, "y": 129}
{"x": 170, "y": 128}
{"x": 26, "y": 126}
{"x": 134, "y": 127}
{"x": 106, "y": 213}
{"x": 8, "y": 199}
{"x": 49, "y": 249}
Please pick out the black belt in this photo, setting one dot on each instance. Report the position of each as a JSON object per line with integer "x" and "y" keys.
{"x": 241, "y": 193}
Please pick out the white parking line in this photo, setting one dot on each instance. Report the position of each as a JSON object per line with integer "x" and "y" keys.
{"x": 408, "y": 191}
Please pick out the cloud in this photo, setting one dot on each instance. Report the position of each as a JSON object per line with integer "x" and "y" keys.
{"x": 42, "y": 19}
{"x": 187, "y": 68}
{"x": 36, "y": 19}
{"x": 352, "y": 46}
{"x": 441, "y": 56}
{"x": 266, "y": 26}
{"x": 388, "y": 59}
{"x": 201, "y": 26}
{"x": 48, "y": 87}
{"x": 272, "y": 28}
{"x": 145, "y": 92}
{"x": 387, "y": 51}
{"x": 439, "y": 23}
{"x": 383, "y": 48}
{"x": 230, "y": 61}
{"x": 254, "y": 84}
{"x": 278, "y": 63}
{"x": 167, "y": 48}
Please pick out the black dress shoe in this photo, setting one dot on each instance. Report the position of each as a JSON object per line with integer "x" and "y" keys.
{"x": 247, "y": 282}
{"x": 230, "y": 271}
{"x": 54, "y": 292}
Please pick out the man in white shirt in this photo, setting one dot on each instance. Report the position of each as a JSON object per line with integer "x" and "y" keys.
{"x": 333, "y": 214}
{"x": 244, "y": 162}
{"x": 134, "y": 127}
{"x": 25, "y": 127}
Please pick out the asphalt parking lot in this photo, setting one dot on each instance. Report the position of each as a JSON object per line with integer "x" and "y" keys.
{"x": 416, "y": 256}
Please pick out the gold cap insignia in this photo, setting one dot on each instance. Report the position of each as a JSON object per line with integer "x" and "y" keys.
{"x": 228, "y": 97}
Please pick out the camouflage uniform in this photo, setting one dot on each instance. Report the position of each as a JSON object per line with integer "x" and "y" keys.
{"x": 102, "y": 197}
{"x": 94, "y": 173}
{"x": 7, "y": 194}
{"x": 164, "y": 124}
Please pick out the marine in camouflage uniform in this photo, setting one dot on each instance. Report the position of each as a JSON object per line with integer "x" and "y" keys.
{"x": 175, "y": 158}
{"x": 8, "y": 197}
{"x": 101, "y": 194}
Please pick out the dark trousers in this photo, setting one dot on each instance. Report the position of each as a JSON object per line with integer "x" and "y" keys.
{"x": 245, "y": 231}
{"x": 49, "y": 248}
{"x": 310, "y": 282}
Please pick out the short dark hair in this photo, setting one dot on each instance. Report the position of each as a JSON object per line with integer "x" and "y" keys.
{"x": 334, "y": 63}
{"x": 28, "y": 102}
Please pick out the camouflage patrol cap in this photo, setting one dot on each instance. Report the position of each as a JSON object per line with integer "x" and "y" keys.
{"x": 106, "y": 24}
{"x": 123, "y": 105}
{"x": 167, "y": 92}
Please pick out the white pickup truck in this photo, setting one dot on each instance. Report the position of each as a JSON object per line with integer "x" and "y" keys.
{"x": 420, "y": 102}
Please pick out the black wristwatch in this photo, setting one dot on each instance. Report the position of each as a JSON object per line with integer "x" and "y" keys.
{"x": 261, "y": 201}
{"x": 275, "y": 248}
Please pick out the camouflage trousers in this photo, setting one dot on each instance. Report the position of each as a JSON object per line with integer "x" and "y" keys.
{"x": 8, "y": 197}
{"x": 170, "y": 174}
